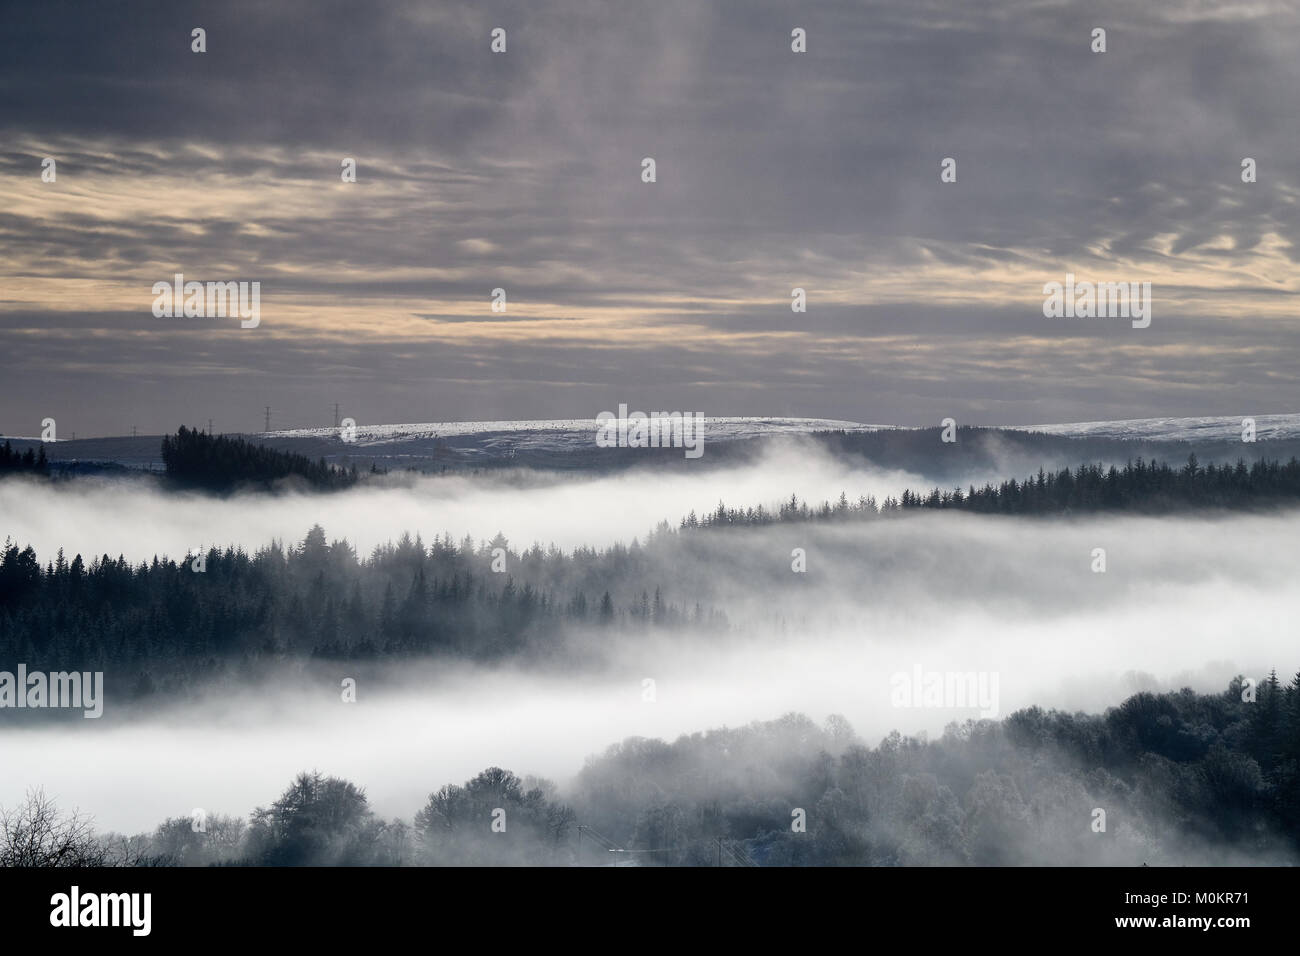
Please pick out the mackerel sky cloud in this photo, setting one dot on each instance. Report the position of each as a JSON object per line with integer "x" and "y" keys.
{"x": 522, "y": 171}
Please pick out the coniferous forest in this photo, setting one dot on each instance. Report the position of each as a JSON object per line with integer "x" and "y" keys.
{"x": 29, "y": 461}
{"x": 222, "y": 463}
{"x": 320, "y": 600}
{"x": 163, "y": 620}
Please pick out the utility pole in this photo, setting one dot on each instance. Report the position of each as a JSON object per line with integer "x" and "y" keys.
{"x": 132, "y": 431}
{"x": 336, "y": 414}
{"x": 268, "y": 418}
{"x": 209, "y": 428}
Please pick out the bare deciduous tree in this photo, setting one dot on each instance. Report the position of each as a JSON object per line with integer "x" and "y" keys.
{"x": 35, "y": 834}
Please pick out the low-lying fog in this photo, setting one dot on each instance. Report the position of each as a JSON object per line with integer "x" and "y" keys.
{"x": 1185, "y": 601}
{"x": 95, "y": 517}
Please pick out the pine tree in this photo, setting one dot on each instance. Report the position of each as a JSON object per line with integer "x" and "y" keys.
{"x": 1266, "y": 722}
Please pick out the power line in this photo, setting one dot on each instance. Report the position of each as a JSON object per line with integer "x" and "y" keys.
{"x": 738, "y": 856}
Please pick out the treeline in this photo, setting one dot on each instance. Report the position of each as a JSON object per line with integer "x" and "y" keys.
{"x": 1183, "y": 778}
{"x": 485, "y": 601}
{"x": 221, "y": 463}
{"x": 28, "y": 461}
{"x": 319, "y": 599}
{"x": 1164, "y": 779}
{"x": 1138, "y": 486}
{"x": 1143, "y": 487}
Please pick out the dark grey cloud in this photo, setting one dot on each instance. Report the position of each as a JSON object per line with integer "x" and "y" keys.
{"x": 164, "y": 373}
{"x": 775, "y": 170}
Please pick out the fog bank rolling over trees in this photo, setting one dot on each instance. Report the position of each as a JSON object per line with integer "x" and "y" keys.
{"x": 1170, "y": 779}
{"x": 487, "y": 600}
{"x": 228, "y": 679}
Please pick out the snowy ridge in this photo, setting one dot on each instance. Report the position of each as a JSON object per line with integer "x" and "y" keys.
{"x": 559, "y": 434}
{"x": 1216, "y": 428}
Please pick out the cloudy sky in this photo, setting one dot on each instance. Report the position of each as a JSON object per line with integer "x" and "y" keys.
{"x": 522, "y": 170}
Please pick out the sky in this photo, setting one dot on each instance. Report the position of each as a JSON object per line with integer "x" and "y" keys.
{"x": 522, "y": 170}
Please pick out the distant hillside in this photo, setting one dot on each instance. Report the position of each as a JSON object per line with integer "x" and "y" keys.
{"x": 979, "y": 454}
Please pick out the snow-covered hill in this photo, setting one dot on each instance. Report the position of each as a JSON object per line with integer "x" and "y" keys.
{"x": 561, "y": 434}
{"x": 557, "y": 434}
{"x": 565, "y": 443}
{"x": 1220, "y": 428}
